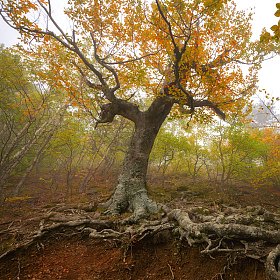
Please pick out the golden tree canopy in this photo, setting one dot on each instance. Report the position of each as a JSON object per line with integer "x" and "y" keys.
{"x": 189, "y": 52}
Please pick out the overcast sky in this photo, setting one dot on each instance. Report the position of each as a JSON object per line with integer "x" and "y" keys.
{"x": 264, "y": 17}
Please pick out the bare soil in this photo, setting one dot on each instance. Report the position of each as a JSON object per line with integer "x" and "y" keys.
{"x": 82, "y": 258}
{"x": 68, "y": 255}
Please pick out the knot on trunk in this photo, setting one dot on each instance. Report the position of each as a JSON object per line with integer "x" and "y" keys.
{"x": 108, "y": 113}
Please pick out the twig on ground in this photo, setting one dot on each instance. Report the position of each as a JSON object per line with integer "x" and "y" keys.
{"x": 172, "y": 274}
{"x": 18, "y": 273}
{"x": 10, "y": 224}
{"x": 6, "y": 223}
{"x": 216, "y": 275}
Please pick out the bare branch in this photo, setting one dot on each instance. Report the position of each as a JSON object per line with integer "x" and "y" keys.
{"x": 102, "y": 63}
{"x": 176, "y": 49}
{"x": 86, "y": 80}
{"x": 53, "y": 21}
{"x": 132, "y": 60}
{"x": 209, "y": 104}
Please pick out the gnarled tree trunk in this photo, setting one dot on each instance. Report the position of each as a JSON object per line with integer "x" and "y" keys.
{"x": 130, "y": 192}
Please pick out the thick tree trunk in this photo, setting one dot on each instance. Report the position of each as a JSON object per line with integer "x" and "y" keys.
{"x": 130, "y": 192}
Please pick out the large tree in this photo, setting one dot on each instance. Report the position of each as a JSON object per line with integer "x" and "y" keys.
{"x": 184, "y": 57}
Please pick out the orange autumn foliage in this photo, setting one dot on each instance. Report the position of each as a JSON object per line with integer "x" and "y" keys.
{"x": 269, "y": 170}
{"x": 206, "y": 41}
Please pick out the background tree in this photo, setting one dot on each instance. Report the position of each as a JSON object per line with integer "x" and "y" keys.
{"x": 29, "y": 117}
{"x": 268, "y": 171}
{"x": 234, "y": 154}
{"x": 185, "y": 55}
{"x": 263, "y": 115}
{"x": 163, "y": 153}
{"x": 192, "y": 147}
{"x": 106, "y": 150}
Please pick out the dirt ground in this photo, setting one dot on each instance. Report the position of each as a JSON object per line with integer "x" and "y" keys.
{"x": 68, "y": 255}
{"x": 82, "y": 258}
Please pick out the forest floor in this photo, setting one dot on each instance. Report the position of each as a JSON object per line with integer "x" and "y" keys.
{"x": 68, "y": 255}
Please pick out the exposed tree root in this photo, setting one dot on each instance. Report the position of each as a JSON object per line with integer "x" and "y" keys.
{"x": 273, "y": 264}
{"x": 237, "y": 231}
{"x": 140, "y": 205}
{"x": 249, "y": 232}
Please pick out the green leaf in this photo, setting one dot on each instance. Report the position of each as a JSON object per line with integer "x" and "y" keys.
{"x": 274, "y": 27}
{"x": 277, "y": 14}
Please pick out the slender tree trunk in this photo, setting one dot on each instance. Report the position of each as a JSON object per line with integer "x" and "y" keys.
{"x": 17, "y": 189}
{"x": 165, "y": 166}
{"x": 208, "y": 172}
{"x": 12, "y": 163}
{"x": 88, "y": 176}
{"x": 39, "y": 163}
{"x": 155, "y": 174}
{"x": 222, "y": 163}
{"x": 91, "y": 172}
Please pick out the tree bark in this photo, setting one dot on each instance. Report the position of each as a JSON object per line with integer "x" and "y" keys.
{"x": 130, "y": 192}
